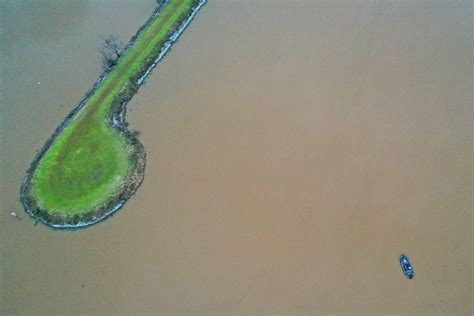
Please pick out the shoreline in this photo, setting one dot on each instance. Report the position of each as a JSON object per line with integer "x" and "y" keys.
{"x": 116, "y": 119}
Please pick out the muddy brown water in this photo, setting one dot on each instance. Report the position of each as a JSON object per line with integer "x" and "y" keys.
{"x": 295, "y": 150}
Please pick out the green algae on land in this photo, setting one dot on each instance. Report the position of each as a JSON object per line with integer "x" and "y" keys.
{"x": 92, "y": 164}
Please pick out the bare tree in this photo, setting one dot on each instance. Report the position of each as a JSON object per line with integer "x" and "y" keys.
{"x": 111, "y": 49}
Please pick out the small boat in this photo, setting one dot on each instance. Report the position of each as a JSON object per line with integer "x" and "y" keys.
{"x": 14, "y": 214}
{"x": 406, "y": 266}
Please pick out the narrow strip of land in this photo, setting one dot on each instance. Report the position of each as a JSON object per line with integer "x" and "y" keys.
{"x": 92, "y": 164}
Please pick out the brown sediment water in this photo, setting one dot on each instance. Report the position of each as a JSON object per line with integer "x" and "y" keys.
{"x": 295, "y": 150}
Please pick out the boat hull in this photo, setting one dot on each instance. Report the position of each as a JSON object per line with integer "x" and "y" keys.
{"x": 406, "y": 266}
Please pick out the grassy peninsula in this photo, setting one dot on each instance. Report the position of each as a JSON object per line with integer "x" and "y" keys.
{"x": 93, "y": 164}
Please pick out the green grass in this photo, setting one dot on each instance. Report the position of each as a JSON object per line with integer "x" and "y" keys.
{"x": 89, "y": 161}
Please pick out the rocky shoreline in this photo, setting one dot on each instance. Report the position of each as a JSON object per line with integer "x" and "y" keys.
{"x": 117, "y": 114}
